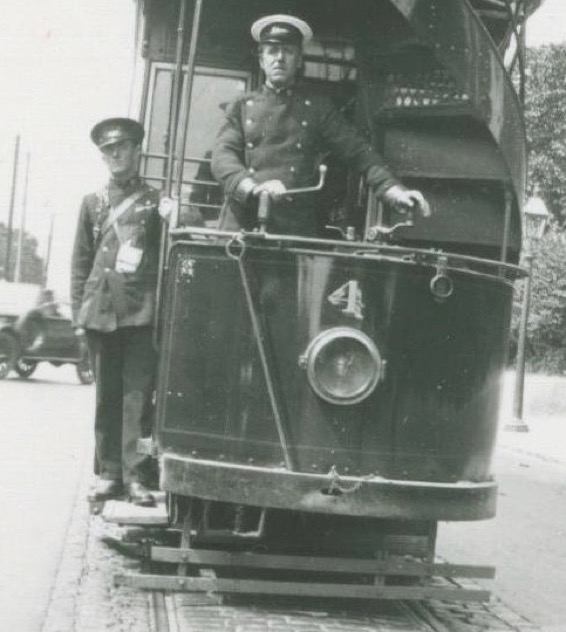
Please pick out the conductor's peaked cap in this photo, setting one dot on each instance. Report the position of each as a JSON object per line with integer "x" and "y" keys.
{"x": 281, "y": 29}
{"x": 114, "y": 130}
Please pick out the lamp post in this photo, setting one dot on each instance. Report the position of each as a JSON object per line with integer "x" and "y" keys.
{"x": 535, "y": 217}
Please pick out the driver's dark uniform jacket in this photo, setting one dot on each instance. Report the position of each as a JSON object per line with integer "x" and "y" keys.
{"x": 281, "y": 135}
{"x": 116, "y": 308}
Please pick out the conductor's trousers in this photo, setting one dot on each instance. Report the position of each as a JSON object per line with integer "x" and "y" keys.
{"x": 124, "y": 367}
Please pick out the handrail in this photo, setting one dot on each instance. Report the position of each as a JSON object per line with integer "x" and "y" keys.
{"x": 344, "y": 248}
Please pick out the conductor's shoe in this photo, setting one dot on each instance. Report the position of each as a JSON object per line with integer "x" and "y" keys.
{"x": 105, "y": 489}
{"x": 140, "y": 495}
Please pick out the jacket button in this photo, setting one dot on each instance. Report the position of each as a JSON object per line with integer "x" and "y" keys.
{"x": 304, "y": 123}
{"x": 292, "y": 169}
{"x": 308, "y": 102}
{"x": 249, "y": 121}
{"x": 104, "y": 248}
{"x": 299, "y": 145}
{"x": 249, "y": 102}
{"x": 250, "y": 145}
{"x": 251, "y": 170}
{"x": 106, "y": 269}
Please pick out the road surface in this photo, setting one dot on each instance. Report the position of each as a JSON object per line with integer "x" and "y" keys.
{"x": 46, "y": 437}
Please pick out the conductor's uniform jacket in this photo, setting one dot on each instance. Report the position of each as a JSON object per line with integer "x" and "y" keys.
{"x": 104, "y": 299}
{"x": 115, "y": 304}
{"x": 281, "y": 135}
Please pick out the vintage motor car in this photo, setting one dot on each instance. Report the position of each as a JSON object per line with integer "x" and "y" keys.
{"x": 46, "y": 334}
{"x": 36, "y": 328}
{"x": 15, "y": 299}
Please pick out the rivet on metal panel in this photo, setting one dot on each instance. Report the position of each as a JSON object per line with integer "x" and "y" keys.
{"x": 185, "y": 271}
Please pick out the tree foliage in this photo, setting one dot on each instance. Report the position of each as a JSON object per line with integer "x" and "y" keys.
{"x": 546, "y": 125}
{"x": 546, "y": 327}
{"x": 546, "y": 138}
{"x": 31, "y": 263}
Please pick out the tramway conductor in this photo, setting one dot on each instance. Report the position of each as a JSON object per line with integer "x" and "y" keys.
{"x": 113, "y": 281}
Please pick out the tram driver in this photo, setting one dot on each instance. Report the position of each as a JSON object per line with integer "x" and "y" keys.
{"x": 271, "y": 141}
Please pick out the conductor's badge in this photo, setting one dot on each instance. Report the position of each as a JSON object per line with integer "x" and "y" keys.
{"x": 128, "y": 258}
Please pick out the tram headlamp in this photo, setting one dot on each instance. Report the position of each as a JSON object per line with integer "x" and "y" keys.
{"x": 343, "y": 365}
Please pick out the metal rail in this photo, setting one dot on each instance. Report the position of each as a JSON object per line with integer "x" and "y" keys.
{"x": 166, "y": 611}
{"x": 346, "y": 248}
{"x": 188, "y": 91}
{"x": 171, "y": 129}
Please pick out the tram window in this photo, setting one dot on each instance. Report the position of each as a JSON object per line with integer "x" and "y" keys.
{"x": 329, "y": 61}
{"x": 330, "y": 70}
{"x": 210, "y": 91}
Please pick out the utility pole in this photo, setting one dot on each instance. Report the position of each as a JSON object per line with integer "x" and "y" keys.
{"x": 7, "y": 274}
{"x": 18, "y": 272}
{"x": 48, "y": 255}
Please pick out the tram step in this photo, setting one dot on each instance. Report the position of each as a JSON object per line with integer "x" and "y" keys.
{"x": 120, "y": 512}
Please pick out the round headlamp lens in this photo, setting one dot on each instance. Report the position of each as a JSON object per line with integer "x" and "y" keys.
{"x": 343, "y": 365}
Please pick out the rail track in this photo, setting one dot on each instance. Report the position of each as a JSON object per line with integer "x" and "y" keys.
{"x": 85, "y": 599}
{"x": 178, "y": 612}
{"x": 220, "y": 609}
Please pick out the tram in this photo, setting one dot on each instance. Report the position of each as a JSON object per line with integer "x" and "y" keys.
{"x": 336, "y": 397}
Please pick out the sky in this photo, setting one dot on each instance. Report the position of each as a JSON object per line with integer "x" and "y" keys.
{"x": 65, "y": 65}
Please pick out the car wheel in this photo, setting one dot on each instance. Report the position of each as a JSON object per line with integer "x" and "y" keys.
{"x": 8, "y": 354}
{"x": 84, "y": 371}
{"x": 25, "y": 368}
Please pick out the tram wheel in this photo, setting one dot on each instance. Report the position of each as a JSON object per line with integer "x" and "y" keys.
{"x": 25, "y": 368}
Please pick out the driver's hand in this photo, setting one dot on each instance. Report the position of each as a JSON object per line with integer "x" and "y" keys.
{"x": 403, "y": 199}
{"x": 167, "y": 206}
{"x": 275, "y": 188}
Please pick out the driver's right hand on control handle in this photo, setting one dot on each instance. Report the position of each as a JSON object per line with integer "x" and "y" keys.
{"x": 275, "y": 188}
